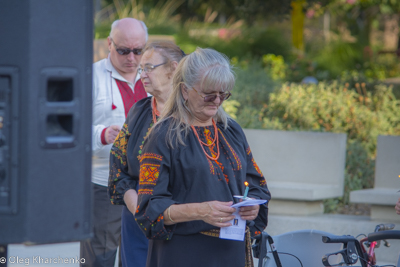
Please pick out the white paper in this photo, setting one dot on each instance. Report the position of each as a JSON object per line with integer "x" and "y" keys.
{"x": 249, "y": 202}
{"x": 237, "y": 230}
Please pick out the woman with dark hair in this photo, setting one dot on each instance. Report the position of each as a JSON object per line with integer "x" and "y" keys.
{"x": 156, "y": 69}
{"x": 193, "y": 162}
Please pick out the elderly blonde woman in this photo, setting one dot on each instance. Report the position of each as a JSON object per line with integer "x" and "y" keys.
{"x": 156, "y": 68}
{"x": 193, "y": 162}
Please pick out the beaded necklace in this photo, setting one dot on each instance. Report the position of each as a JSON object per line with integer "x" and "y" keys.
{"x": 154, "y": 109}
{"x": 215, "y": 141}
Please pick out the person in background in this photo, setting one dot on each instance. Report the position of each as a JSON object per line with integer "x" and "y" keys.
{"x": 157, "y": 66}
{"x": 116, "y": 87}
{"x": 193, "y": 162}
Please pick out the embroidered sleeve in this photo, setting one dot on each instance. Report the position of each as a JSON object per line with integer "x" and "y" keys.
{"x": 119, "y": 180}
{"x": 153, "y": 195}
{"x": 258, "y": 190}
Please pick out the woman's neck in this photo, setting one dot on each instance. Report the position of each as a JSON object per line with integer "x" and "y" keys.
{"x": 160, "y": 102}
{"x": 161, "y": 97}
{"x": 202, "y": 123}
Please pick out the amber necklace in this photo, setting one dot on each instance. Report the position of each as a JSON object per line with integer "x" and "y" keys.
{"x": 214, "y": 141}
{"x": 154, "y": 110}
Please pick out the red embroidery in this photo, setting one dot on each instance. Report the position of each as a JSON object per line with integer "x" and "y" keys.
{"x": 149, "y": 173}
{"x": 256, "y": 167}
{"x": 209, "y": 140}
{"x": 212, "y": 170}
{"x": 151, "y": 156}
{"x": 129, "y": 96}
{"x": 235, "y": 156}
{"x": 148, "y": 177}
{"x": 248, "y": 151}
{"x": 222, "y": 169}
{"x": 145, "y": 191}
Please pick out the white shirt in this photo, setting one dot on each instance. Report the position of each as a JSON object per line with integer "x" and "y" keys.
{"x": 105, "y": 93}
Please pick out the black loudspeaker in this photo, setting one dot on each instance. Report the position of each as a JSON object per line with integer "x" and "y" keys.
{"x": 46, "y": 57}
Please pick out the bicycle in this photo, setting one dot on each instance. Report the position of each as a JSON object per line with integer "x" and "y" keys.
{"x": 305, "y": 248}
{"x": 356, "y": 250}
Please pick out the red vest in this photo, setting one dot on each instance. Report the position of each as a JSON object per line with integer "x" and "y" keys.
{"x": 128, "y": 97}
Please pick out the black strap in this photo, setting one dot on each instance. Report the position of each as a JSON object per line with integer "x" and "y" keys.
{"x": 274, "y": 252}
{"x": 260, "y": 249}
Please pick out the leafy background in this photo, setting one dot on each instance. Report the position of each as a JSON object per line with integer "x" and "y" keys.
{"x": 339, "y": 83}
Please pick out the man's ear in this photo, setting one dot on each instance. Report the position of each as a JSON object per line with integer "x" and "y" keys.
{"x": 109, "y": 43}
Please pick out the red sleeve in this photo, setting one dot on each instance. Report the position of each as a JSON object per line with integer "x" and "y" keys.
{"x": 103, "y": 137}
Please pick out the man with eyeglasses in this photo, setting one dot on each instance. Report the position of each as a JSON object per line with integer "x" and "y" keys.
{"x": 116, "y": 87}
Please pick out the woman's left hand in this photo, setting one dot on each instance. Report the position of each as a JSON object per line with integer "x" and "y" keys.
{"x": 249, "y": 213}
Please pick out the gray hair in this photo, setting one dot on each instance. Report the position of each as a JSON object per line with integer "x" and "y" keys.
{"x": 115, "y": 23}
{"x": 207, "y": 68}
{"x": 168, "y": 50}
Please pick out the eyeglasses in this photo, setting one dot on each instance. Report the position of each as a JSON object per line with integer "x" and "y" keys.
{"x": 149, "y": 68}
{"x": 211, "y": 98}
{"x": 126, "y": 51}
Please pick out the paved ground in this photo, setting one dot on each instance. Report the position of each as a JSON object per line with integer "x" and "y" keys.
{"x": 20, "y": 255}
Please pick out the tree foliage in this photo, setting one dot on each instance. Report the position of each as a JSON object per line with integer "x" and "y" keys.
{"x": 359, "y": 15}
{"x": 248, "y": 10}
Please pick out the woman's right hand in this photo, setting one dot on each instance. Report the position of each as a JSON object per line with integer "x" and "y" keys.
{"x": 130, "y": 199}
{"x": 217, "y": 213}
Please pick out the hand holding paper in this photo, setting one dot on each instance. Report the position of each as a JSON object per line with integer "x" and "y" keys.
{"x": 237, "y": 230}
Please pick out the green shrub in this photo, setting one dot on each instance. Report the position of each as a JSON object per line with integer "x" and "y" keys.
{"x": 336, "y": 108}
{"x": 327, "y": 107}
{"x": 336, "y": 57}
{"x": 382, "y": 66}
{"x": 102, "y": 30}
{"x": 301, "y": 67}
{"x": 275, "y": 66}
{"x": 252, "y": 89}
{"x": 159, "y": 18}
{"x": 244, "y": 43}
{"x": 360, "y": 166}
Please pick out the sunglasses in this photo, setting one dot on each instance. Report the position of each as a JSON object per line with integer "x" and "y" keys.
{"x": 211, "y": 98}
{"x": 149, "y": 68}
{"x": 126, "y": 51}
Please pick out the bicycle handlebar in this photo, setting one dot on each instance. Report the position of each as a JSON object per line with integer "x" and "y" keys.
{"x": 338, "y": 239}
{"x": 351, "y": 249}
{"x": 381, "y": 235}
{"x": 352, "y": 245}
{"x": 384, "y": 227}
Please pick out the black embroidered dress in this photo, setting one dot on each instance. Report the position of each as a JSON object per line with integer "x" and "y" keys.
{"x": 185, "y": 175}
{"x": 124, "y": 165}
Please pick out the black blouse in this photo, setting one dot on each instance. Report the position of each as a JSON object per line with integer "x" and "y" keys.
{"x": 185, "y": 175}
{"x": 126, "y": 150}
